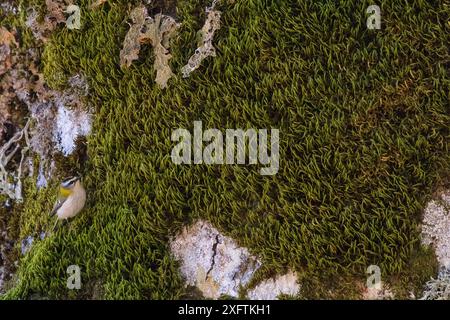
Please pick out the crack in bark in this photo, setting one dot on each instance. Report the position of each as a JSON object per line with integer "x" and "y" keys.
{"x": 213, "y": 258}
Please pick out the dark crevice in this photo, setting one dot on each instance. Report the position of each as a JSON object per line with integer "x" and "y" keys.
{"x": 213, "y": 259}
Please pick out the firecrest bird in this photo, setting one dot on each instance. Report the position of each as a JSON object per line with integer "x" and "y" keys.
{"x": 71, "y": 200}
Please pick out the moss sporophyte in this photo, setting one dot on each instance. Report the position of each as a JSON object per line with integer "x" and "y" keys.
{"x": 213, "y": 153}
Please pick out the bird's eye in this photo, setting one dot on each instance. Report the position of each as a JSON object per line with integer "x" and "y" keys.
{"x": 69, "y": 182}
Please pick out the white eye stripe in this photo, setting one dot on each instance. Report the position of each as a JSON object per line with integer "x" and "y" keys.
{"x": 66, "y": 183}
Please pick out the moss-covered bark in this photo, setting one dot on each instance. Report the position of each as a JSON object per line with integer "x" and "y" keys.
{"x": 363, "y": 118}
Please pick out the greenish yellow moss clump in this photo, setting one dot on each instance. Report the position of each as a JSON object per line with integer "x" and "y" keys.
{"x": 363, "y": 118}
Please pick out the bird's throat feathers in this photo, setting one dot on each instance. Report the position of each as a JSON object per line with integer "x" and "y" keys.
{"x": 64, "y": 192}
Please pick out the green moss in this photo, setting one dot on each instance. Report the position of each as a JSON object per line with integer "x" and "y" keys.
{"x": 421, "y": 266}
{"x": 363, "y": 118}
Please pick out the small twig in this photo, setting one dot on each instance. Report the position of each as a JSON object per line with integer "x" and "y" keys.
{"x": 14, "y": 192}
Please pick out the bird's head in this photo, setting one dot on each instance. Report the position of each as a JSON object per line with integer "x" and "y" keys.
{"x": 67, "y": 185}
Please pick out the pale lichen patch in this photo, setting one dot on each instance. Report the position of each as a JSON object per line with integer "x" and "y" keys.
{"x": 55, "y": 14}
{"x": 436, "y": 233}
{"x": 271, "y": 289}
{"x": 157, "y": 31}
{"x": 436, "y": 227}
{"x": 206, "y": 48}
{"x": 439, "y": 288}
{"x": 212, "y": 262}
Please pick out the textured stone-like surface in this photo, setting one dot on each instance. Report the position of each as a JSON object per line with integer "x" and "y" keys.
{"x": 436, "y": 227}
{"x": 212, "y": 262}
{"x": 270, "y": 289}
